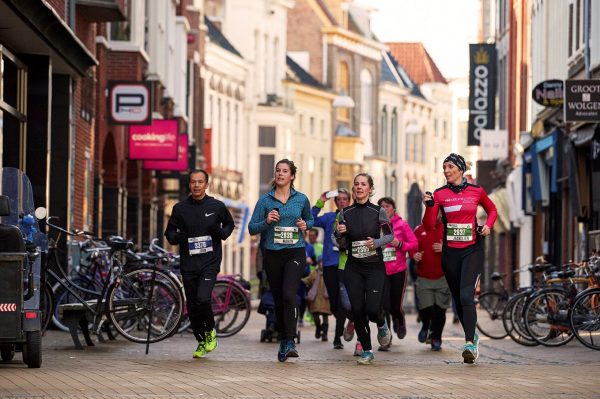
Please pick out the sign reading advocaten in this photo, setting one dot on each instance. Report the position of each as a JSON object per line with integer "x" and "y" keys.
{"x": 180, "y": 164}
{"x": 155, "y": 142}
{"x": 129, "y": 103}
{"x": 582, "y": 100}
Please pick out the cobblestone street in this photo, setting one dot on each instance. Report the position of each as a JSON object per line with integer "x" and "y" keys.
{"x": 242, "y": 367}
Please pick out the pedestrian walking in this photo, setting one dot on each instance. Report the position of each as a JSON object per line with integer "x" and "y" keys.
{"x": 462, "y": 249}
{"x": 198, "y": 224}
{"x": 283, "y": 215}
{"x": 394, "y": 256}
{"x": 318, "y": 301}
{"x": 431, "y": 286}
{"x": 364, "y": 229}
{"x": 331, "y": 257}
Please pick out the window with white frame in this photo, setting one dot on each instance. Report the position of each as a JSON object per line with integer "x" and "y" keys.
{"x": 394, "y": 137}
{"x": 366, "y": 96}
{"x": 383, "y": 132}
{"x": 575, "y": 15}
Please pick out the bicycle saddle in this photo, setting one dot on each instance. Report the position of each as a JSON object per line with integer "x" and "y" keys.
{"x": 119, "y": 243}
{"x": 496, "y": 276}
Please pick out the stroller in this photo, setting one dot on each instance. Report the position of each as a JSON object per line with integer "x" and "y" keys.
{"x": 267, "y": 308}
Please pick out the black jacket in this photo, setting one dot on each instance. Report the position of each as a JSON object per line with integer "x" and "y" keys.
{"x": 208, "y": 220}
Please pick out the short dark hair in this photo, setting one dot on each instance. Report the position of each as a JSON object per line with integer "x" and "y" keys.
{"x": 196, "y": 171}
{"x": 387, "y": 200}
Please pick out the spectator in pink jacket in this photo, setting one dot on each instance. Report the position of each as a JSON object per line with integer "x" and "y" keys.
{"x": 394, "y": 256}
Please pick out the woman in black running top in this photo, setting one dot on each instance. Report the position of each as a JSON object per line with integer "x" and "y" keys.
{"x": 363, "y": 230}
{"x": 462, "y": 250}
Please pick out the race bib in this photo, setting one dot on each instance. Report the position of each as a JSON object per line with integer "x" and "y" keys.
{"x": 360, "y": 250}
{"x": 200, "y": 245}
{"x": 459, "y": 232}
{"x": 286, "y": 235}
{"x": 389, "y": 254}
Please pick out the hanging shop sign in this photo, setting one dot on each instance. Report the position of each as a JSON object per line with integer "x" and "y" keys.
{"x": 181, "y": 164}
{"x": 549, "y": 93}
{"x": 493, "y": 144}
{"x": 158, "y": 141}
{"x": 129, "y": 103}
{"x": 482, "y": 90}
{"x": 582, "y": 101}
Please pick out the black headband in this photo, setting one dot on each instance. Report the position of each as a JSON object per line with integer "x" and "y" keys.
{"x": 457, "y": 160}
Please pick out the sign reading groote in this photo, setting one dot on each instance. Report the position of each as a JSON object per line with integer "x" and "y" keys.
{"x": 129, "y": 103}
{"x": 482, "y": 90}
{"x": 582, "y": 101}
{"x": 155, "y": 142}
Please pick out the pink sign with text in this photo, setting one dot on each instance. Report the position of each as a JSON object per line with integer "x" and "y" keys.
{"x": 180, "y": 164}
{"x": 155, "y": 142}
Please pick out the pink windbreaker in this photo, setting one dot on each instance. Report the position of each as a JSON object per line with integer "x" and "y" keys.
{"x": 403, "y": 233}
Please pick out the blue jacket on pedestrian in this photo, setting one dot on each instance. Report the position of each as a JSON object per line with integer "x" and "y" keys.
{"x": 278, "y": 235}
{"x": 331, "y": 254}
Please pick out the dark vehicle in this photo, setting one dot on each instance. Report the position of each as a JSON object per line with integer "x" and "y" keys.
{"x": 21, "y": 243}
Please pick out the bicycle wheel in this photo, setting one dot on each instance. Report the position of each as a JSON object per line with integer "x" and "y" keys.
{"x": 512, "y": 319}
{"x": 231, "y": 308}
{"x": 489, "y": 314}
{"x": 585, "y": 318}
{"x": 546, "y": 317}
{"x": 62, "y": 296}
{"x": 135, "y": 308}
{"x": 46, "y": 305}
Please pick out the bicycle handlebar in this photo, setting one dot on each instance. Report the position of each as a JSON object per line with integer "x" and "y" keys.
{"x": 74, "y": 233}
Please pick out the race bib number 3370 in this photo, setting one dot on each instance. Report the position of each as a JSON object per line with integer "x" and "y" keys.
{"x": 459, "y": 232}
{"x": 200, "y": 245}
{"x": 286, "y": 235}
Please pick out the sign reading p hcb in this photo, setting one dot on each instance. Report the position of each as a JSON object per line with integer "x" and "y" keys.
{"x": 582, "y": 100}
{"x": 482, "y": 90}
{"x": 129, "y": 103}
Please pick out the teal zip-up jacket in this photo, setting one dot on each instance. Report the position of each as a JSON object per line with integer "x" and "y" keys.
{"x": 296, "y": 207}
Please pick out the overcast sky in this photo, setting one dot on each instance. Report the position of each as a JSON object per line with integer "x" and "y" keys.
{"x": 446, "y": 27}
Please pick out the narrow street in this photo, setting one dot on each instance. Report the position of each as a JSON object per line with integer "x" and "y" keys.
{"x": 242, "y": 367}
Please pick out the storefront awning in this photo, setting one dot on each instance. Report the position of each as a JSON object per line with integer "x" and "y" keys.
{"x": 542, "y": 177}
{"x": 33, "y": 27}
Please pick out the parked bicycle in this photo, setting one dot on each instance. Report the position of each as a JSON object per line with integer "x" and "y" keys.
{"x": 143, "y": 304}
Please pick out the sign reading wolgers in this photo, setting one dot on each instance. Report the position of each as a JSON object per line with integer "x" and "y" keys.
{"x": 155, "y": 142}
{"x": 582, "y": 100}
{"x": 179, "y": 165}
{"x": 129, "y": 103}
{"x": 482, "y": 90}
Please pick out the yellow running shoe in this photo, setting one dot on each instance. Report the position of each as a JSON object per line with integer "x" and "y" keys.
{"x": 211, "y": 340}
{"x": 200, "y": 350}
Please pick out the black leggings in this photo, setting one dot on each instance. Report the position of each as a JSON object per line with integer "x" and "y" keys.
{"x": 365, "y": 284}
{"x": 462, "y": 267}
{"x": 434, "y": 318}
{"x": 332, "y": 282}
{"x": 393, "y": 296}
{"x": 198, "y": 289}
{"x": 284, "y": 269}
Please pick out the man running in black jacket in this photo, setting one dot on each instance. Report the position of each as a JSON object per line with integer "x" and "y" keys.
{"x": 197, "y": 225}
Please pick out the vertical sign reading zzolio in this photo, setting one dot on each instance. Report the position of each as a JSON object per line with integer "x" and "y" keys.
{"x": 482, "y": 90}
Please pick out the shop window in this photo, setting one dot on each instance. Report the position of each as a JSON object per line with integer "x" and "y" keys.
{"x": 13, "y": 118}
